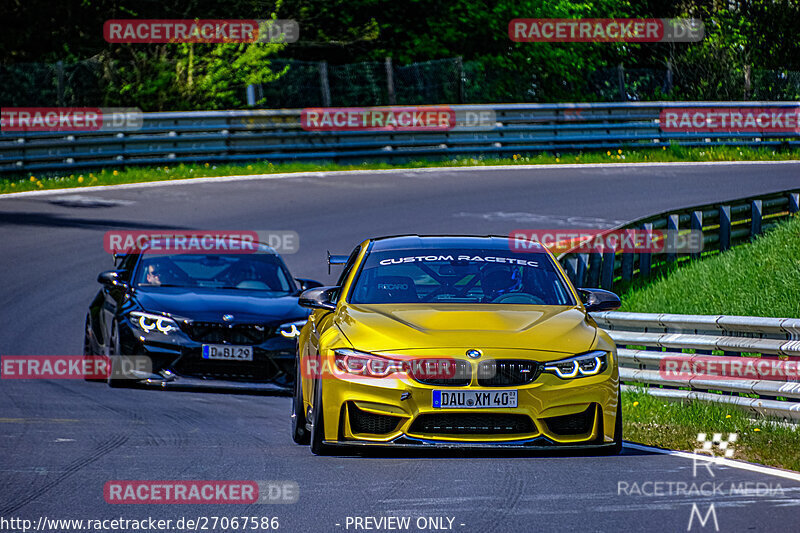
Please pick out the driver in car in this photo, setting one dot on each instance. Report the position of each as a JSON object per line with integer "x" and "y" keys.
{"x": 497, "y": 280}
{"x": 153, "y": 274}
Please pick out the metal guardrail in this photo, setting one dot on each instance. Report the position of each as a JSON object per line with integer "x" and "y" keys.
{"x": 645, "y": 341}
{"x": 723, "y": 225}
{"x": 276, "y": 135}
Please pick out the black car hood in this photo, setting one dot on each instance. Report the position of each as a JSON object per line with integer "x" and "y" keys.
{"x": 208, "y": 305}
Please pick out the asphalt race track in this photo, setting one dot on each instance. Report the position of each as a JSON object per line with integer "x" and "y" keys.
{"x": 62, "y": 440}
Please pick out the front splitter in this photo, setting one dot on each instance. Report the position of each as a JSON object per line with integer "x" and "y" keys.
{"x": 537, "y": 443}
{"x": 188, "y": 383}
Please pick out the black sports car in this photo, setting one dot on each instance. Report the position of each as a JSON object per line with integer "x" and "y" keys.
{"x": 203, "y": 319}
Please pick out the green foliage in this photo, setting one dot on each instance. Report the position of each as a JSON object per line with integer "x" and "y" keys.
{"x": 758, "y": 279}
{"x": 747, "y": 39}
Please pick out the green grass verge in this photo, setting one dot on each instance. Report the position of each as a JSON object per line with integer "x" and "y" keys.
{"x": 759, "y": 279}
{"x": 674, "y": 153}
{"x": 675, "y": 425}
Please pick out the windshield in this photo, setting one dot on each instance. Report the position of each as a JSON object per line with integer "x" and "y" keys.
{"x": 459, "y": 276}
{"x": 253, "y": 272}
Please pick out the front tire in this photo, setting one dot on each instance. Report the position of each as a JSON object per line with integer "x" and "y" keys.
{"x": 114, "y": 361}
{"x": 88, "y": 352}
{"x": 300, "y": 434}
{"x": 318, "y": 447}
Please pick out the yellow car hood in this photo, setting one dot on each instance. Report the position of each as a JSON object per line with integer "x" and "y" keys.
{"x": 393, "y": 327}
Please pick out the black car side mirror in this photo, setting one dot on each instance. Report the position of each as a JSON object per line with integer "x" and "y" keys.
{"x": 318, "y": 298}
{"x": 112, "y": 278}
{"x": 599, "y": 300}
{"x": 306, "y": 284}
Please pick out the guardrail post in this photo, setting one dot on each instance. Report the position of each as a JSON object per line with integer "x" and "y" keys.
{"x": 582, "y": 267}
{"x": 724, "y": 227}
{"x": 756, "y": 215}
{"x": 60, "y": 83}
{"x": 251, "y": 95}
{"x": 672, "y": 236}
{"x": 668, "y": 78}
{"x": 324, "y": 84}
{"x": 608, "y": 270}
{"x": 570, "y": 265}
{"x": 390, "y": 81}
{"x": 645, "y": 258}
{"x": 794, "y": 202}
{"x": 627, "y": 265}
{"x": 461, "y": 80}
{"x": 595, "y": 260}
{"x": 697, "y": 225}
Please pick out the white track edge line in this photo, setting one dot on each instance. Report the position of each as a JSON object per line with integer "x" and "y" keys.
{"x": 333, "y": 173}
{"x": 741, "y": 465}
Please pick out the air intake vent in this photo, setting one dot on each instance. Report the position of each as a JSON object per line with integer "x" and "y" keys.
{"x": 364, "y": 422}
{"x": 577, "y": 424}
{"x": 469, "y": 423}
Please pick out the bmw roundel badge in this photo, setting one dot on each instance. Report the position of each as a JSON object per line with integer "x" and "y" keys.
{"x": 474, "y": 354}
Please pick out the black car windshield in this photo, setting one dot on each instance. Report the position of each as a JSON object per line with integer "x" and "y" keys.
{"x": 460, "y": 276}
{"x": 253, "y": 272}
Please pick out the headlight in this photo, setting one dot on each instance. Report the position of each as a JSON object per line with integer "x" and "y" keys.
{"x": 366, "y": 364}
{"x": 148, "y": 322}
{"x": 291, "y": 330}
{"x": 585, "y": 364}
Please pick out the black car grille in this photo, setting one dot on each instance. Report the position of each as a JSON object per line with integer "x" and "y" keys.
{"x": 577, "y": 424}
{"x": 461, "y": 376}
{"x": 472, "y": 423}
{"x": 507, "y": 372}
{"x": 217, "y": 333}
{"x": 364, "y": 422}
{"x": 264, "y": 367}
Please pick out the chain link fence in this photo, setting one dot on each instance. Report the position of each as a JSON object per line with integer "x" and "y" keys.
{"x": 315, "y": 84}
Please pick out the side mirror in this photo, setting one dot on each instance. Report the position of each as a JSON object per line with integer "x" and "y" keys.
{"x": 318, "y": 298}
{"x": 306, "y": 284}
{"x": 599, "y": 300}
{"x": 112, "y": 278}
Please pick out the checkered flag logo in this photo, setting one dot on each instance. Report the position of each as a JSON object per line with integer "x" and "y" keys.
{"x": 716, "y": 441}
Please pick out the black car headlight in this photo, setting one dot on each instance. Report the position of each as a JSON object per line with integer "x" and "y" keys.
{"x": 581, "y": 365}
{"x": 291, "y": 330}
{"x": 150, "y": 323}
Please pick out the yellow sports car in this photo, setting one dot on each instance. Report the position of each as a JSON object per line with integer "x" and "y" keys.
{"x": 455, "y": 341}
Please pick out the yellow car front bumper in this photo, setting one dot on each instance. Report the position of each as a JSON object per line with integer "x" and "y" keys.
{"x": 399, "y": 411}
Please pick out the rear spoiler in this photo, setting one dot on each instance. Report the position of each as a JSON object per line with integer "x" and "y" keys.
{"x": 336, "y": 260}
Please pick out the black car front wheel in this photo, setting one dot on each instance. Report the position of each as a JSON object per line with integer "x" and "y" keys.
{"x": 115, "y": 368}
{"x": 88, "y": 351}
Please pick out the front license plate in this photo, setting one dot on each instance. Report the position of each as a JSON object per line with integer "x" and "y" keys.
{"x": 452, "y": 399}
{"x": 226, "y": 352}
